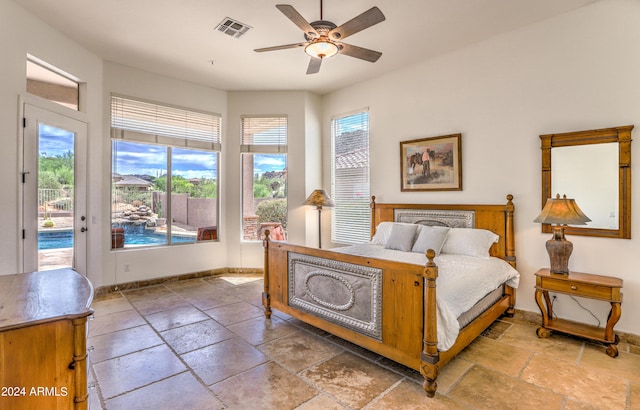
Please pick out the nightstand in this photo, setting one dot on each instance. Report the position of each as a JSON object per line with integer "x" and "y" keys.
{"x": 605, "y": 288}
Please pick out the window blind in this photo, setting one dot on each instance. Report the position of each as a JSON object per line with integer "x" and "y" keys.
{"x": 264, "y": 134}
{"x": 144, "y": 121}
{"x": 351, "y": 217}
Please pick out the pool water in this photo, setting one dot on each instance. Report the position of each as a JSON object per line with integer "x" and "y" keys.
{"x": 64, "y": 238}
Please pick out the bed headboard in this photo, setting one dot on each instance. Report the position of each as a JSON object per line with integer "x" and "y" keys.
{"x": 496, "y": 218}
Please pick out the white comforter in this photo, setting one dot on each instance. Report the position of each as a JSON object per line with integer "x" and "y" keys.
{"x": 462, "y": 281}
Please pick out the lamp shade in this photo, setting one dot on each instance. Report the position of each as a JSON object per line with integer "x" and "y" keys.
{"x": 319, "y": 199}
{"x": 562, "y": 211}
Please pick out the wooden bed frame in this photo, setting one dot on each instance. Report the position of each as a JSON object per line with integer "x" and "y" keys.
{"x": 408, "y": 292}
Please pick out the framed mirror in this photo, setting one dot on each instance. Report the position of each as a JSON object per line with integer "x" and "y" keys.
{"x": 594, "y": 168}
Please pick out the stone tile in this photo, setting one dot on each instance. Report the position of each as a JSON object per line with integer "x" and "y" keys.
{"x": 451, "y": 373}
{"x": 147, "y": 293}
{"x": 495, "y": 355}
{"x": 571, "y": 404}
{"x": 403, "y": 370}
{"x": 111, "y": 305}
{"x": 125, "y": 373}
{"x": 634, "y": 396}
{"x": 261, "y": 330}
{"x": 304, "y": 326}
{"x": 234, "y": 313}
{"x": 196, "y": 283}
{"x": 176, "y": 317}
{"x": 350, "y": 379}
{"x": 151, "y": 306}
{"x": 196, "y": 335}
{"x": 555, "y": 347}
{"x": 94, "y": 399}
{"x": 222, "y": 360}
{"x": 107, "y": 296}
{"x": 496, "y": 330}
{"x": 321, "y": 402}
{"x": 268, "y": 386}
{"x": 114, "y": 322}
{"x": 299, "y": 350}
{"x": 408, "y": 395}
{"x": 626, "y": 365}
{"x": 178, "y": 392}
{"x": 209, "y": 299}
{"x": 360, "y": 351}
{"x": 114, "y": 344}
{"x": 483, "y": 388}
{"x": 583, "y": 384}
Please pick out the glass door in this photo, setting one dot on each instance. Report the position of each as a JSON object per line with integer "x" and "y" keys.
{"x": 54, "y": 195}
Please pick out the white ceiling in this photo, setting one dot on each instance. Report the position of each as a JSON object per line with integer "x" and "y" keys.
{"x": 178, "y": 38}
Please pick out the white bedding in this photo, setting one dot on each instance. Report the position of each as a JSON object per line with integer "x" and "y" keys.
{"x": 462, "y": 281}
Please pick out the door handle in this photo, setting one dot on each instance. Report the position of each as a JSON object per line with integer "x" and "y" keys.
{"x": 83, "y": 229}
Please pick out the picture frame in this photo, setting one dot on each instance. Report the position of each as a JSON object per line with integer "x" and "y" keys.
{"x": 443, "y": 170}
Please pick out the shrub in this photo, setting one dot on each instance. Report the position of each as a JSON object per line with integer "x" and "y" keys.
{"x": 273, "y": 210}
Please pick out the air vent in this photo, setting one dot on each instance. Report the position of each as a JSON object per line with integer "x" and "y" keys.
{"x": 232, "y": 27}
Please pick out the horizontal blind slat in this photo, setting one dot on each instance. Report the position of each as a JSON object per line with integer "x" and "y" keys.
{"x": 351, "y": 221}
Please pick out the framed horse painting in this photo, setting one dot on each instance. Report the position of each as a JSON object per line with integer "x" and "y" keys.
{"x": 431, "y": 164}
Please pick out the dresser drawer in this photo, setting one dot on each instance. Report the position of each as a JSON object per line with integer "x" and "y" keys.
{"x": 579, "y": 289}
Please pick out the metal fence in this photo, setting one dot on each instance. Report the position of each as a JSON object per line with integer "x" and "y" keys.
{"x": 55, "y": 200}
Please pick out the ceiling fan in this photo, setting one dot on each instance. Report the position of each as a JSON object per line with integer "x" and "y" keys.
{"x": 324, "y": 38}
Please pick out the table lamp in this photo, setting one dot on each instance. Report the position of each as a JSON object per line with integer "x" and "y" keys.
{"x": 319, "y": 198}
{"x": 560, "y": 212}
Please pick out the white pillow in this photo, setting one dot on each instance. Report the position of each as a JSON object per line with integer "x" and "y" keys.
{"x": 401, "y": 237}
{"x": 430, "y": 237}
{"x": 383, "y": 230}
{"x": 471, "y": 242}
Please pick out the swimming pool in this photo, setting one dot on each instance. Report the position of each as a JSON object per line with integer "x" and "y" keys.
{"x": 133, "y": 236}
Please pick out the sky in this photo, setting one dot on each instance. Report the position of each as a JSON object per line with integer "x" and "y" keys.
{"x": 132, "y": 158}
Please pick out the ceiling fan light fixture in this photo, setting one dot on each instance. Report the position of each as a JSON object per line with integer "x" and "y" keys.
{"x": 321, "y": 48}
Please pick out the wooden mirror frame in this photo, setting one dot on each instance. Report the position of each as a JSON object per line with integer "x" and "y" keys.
{"x": 620, "y": 135}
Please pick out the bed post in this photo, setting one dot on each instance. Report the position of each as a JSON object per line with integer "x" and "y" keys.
{"x": 429, "y": 367}
{"x": 266, "y": 300}
{"x": 510, "y": 253}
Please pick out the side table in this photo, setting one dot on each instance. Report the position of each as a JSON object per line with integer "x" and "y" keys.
{"x": 605, "y": 288}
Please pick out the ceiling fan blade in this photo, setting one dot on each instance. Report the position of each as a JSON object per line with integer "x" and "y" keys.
{"x": 359, "y": 52}
{"x": 314, "y": 65}
{"x": 282, "y": 47}
{"x": 367, "y": 19}
{"x": 293, "y": 15}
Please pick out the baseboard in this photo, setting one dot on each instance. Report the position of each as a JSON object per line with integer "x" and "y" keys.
{"x": 104, "y": 290}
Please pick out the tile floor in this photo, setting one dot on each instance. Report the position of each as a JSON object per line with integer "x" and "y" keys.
{"x": 205, "y": 344}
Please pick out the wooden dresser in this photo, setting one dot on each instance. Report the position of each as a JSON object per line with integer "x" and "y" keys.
{"x": 43, "y": 332}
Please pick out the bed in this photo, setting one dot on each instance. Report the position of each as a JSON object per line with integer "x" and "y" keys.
{"x": 364, "y": 295}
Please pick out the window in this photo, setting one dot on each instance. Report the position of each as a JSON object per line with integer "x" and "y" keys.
{"x": 351, "y": 221}
{"x": 164, "y": 174}
{"x": 48, "y": 82}
{"x": 264, "y": 177}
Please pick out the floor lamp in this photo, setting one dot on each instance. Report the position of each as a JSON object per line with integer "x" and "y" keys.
{"x": 319, "y": 198}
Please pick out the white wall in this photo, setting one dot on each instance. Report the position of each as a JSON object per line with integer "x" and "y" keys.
{"x": 577, "y": 71}
{"x": 24, "y": 34}
{"x": 143, "y": 264}
{"x": 303, "y": 161}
